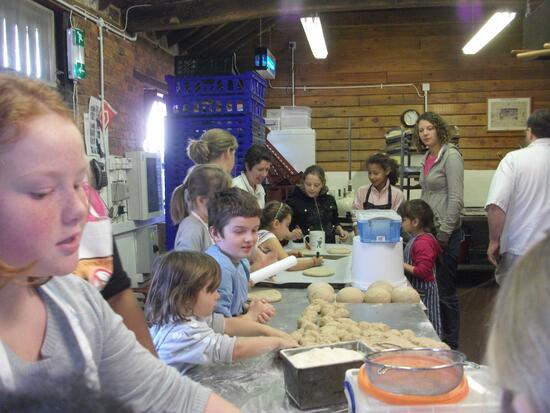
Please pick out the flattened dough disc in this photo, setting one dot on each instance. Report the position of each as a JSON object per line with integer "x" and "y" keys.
{"x": 271, "y": 296}
{"x": 319, "y": 271}
{"x": 339, "y": 250}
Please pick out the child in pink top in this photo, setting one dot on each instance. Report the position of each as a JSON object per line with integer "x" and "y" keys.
{"x": 421, "y": 254}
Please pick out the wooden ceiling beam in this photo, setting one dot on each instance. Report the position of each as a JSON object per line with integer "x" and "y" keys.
{"x": 235, "y": 31}
{"x": 204, "y": 34}
{"x": 184, "y": 14}
{"x": 176, "y": 36}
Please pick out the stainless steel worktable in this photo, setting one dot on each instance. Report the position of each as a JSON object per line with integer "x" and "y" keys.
{"x": 257, "y": 385}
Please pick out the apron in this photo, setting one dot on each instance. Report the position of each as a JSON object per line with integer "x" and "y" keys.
{"x": 427, "y": 290}
{"x": 368, "y": 205}
{"x": 91, "y": 375}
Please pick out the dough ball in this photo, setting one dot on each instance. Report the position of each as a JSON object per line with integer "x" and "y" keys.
{"x": 320, "y": 290}
{"x": 328, "y": 330}
{"x": 350, "y": 295}
{"x": 309, "y": 326}
{"x": 405, "y": 295}
{"x": 382, "y": 284}
{"x": 428, "y": 343}
{"x": 296, "y": 335}
{"x": 341, "y": 313}
{"x": 377, "y": 296}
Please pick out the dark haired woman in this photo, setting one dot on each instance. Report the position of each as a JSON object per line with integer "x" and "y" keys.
{"x": 257, "y": 162}
{"x": 442, "y": 182}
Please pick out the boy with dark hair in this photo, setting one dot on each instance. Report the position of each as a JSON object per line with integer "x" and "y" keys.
{"x": 234, "y": 219}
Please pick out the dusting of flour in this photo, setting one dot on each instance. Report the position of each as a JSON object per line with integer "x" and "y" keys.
{"x": 323, "y": 356}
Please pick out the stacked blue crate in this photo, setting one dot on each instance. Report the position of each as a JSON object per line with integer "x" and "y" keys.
{"x": 198, "y": 103}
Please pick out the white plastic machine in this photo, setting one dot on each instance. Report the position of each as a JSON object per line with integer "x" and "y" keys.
{"x": 295, "y": 139}
{"x": 378, "y": 249}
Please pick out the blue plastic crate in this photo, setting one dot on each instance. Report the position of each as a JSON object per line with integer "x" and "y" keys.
{"x": 213, "y": 106}
{"x": 248, "y": 84}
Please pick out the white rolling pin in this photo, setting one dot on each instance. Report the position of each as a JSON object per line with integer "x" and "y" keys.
{"x": 272, "y": 269}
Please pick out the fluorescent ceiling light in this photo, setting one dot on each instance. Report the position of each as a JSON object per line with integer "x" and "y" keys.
{"x": 314, "y": 33}
{"x": 494, "y": 26}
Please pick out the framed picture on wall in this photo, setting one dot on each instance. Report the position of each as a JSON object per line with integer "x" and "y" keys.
{"x": 508, "y": 113}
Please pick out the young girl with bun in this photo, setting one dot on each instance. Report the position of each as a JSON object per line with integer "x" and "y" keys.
{"x": 180, "y": 306}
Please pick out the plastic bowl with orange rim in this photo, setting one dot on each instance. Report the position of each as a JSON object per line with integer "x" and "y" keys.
{"x": 415, "y": 376}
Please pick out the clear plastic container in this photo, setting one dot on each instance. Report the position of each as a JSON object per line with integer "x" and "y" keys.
{"x": 378, "y": 225}
{"x": 295, "y": 117}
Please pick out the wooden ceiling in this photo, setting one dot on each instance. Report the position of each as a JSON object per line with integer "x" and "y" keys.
{"x": 214, "y": 27}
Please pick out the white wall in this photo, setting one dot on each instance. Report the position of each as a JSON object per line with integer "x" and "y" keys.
{"x": 476, "y": 185}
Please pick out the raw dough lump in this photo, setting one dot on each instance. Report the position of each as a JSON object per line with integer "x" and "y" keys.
{"x": 349, "y": 295}
{"x": 320, "y": 290}
{"x": 382, "y": 284}
{"x": 376, "y": 295}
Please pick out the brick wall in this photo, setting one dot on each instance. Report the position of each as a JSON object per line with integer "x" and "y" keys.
{"x": 122, "y": 90}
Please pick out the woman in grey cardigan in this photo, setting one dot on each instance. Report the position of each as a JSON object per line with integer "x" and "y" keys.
{"x": 442, "y": 182}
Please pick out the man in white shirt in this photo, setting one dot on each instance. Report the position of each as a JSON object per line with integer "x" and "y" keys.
{"x": 518, "y": 205}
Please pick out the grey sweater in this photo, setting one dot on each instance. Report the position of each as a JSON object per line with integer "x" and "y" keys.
{"x": 127, "y": 372}
{"x": 184, "y": 344}
{"x": 443, "y": 189}
{"x": 192, "y": 235}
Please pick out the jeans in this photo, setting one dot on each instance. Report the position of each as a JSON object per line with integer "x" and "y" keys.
{"x": 446, "y": 273}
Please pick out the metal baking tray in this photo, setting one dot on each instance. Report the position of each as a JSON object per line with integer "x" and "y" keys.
{"x": 319, "y": 386}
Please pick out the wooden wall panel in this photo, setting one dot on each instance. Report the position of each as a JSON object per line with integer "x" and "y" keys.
{"x": 405, "y": 46}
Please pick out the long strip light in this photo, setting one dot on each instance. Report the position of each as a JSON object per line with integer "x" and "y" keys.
{"x": 314, "y": 33}
{"x": 494, "y": 26}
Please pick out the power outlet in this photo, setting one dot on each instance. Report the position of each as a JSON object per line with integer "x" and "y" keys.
{"x": 292, "y": 45}
{"x": 426, "y": 87}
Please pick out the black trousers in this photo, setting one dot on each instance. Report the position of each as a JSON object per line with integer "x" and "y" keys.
{"x": 446, "y": 273}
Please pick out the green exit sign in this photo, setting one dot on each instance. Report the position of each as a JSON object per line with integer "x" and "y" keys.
{"x": 75, "y": 54}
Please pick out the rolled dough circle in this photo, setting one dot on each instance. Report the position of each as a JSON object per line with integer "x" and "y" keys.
{"x": 271, "y": 296}
{"x": 319, "y": 271}
{"x": 350, "y": 295}
{"x": 339, "y": 250}
{"x": 377, "y": 295}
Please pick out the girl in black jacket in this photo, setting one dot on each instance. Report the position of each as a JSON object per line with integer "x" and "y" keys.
{"x": 314, "y": 208}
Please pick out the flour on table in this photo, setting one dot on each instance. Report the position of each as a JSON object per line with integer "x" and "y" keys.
{"x": 324, "y": 356}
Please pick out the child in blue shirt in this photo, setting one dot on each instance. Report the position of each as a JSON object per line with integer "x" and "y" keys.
{"x": 180, "y": 305}
{"x": 234, "y": 219}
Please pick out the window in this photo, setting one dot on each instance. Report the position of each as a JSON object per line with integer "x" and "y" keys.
{"x": 154, "y": 133}
{"x": 27, "y": 39}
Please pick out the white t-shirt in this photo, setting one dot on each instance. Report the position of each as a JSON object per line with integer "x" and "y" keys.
{"x": 521, "y": 188}
{"x": 241, "y": 182}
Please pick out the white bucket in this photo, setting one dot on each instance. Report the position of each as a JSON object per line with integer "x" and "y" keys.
{"x": 377, "y": 262}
